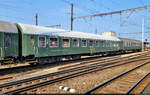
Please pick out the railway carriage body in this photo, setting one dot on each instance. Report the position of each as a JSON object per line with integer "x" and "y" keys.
{"x": 130, "y": 45}
{"x": 8, "y": 40}
{"x": 42, "y": 42}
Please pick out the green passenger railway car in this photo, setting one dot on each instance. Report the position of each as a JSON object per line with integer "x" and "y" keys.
{"x": 8, "y": 40}
{"x": 130, "y": 45}
{"x": 49, "y": 45}
{"x": 23, "y": 42}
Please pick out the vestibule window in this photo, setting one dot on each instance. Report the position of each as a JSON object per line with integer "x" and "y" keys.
{"x": 65, "y": 43}
{"x": 32, "y": 41}
{"x": 7, "y": 40}
{"x": 96, "y": 43}
{"x": 75, "y": 43}
{"x": 53, "y": 42}
{"x": 42, "y": 41}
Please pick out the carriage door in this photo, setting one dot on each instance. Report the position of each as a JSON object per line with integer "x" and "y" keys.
{"x": 40, "y": 51}
{"x": 7, "y": 44}
{"x": 32, "y": 45}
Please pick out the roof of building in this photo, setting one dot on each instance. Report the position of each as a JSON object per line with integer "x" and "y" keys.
{"x": 39, "y": 30}
{"x": 8, "y": 27}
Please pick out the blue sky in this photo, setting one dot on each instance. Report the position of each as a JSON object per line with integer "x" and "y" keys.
{"x": 52, "y": 12}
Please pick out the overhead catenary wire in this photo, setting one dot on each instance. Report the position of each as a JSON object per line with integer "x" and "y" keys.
{"x": 114, "y": 12}
{"x": 80, "y": 7}
{"x": 121, "y": 21}
{"x": 12, "y": 17}
{"x": 11, "y": 5}
{"x": 102, "y": 5}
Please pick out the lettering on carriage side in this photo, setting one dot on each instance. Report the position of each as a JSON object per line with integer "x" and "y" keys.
{"x": 58, "y": 50}
{"x": 91, "y": 50}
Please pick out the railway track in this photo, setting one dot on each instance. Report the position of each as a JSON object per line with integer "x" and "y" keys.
{"x": 20, "y": 71}
{"x": 137, "y": 84}
{"x": 35, "y": 82}
{"x": 122, "y": 79}
{"x": 24, "y": 68}
{"x": 17, "y": 72}
{"x": 102, "y": 60}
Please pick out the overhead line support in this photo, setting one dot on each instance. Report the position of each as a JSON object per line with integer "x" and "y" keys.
{"x": 71, "y": 25}
{"x": 111, "y": 13}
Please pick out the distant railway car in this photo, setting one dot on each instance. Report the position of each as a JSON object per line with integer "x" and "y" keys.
{"x": 130, "y": 45}
{"x": 146, "y": 45}
{"x": 8, "y": 41}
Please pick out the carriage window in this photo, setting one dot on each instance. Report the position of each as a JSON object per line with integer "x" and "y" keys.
{"x": 112, "y": 44}
{"x": 102, "y": 43}
{"x": 7, "y": 40}
{"x": 53, "y": 42}
{"x": 42, "y": 42}
{"x": 129, "y": 44}
{"x": 65, "y": 43}
{"x": 84, "y": 43}
{"x": 75, "y": 43}
{"x": 32, "y": 41}
{"x": 106, "y": 43}
{"x": 91, "y": 43}
{"x": 115, "y": 45}
{"x": 126, "y": 44}
{"x": 109, "y": 44}
{"x": 96, "y": 43}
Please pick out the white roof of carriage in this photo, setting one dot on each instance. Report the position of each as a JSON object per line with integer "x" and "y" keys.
{"x": 32, "y": 29}
{"x": 38, "y": 30}
{"x": 8, "y": 27}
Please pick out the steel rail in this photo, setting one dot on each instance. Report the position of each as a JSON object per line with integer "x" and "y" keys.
{"x": 114, "y": 78}
{"x": 55, "y": 80}
{"x": 89, "y": 61}
{"x": 99, "y": 60}
{"x": 63, "y": 62}
{"x": 136, "y": 84}
{"x": 58, "y": 73}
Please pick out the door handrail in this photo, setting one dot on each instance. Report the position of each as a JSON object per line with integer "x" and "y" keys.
{"x": 1, "y": 52}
